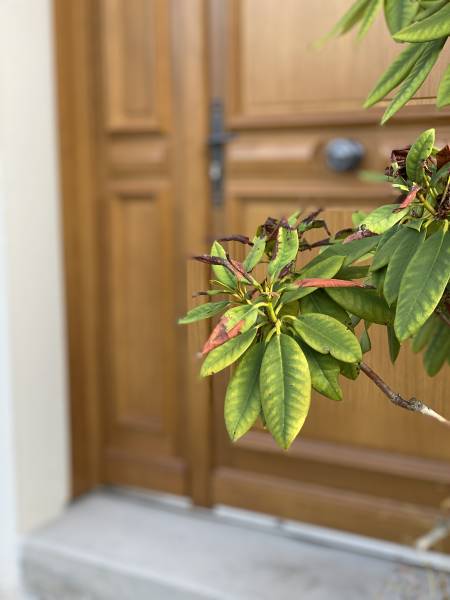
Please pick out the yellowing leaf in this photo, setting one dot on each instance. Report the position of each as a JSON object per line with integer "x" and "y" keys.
{"x": 422, "y": 285}
{"x": 328, "y": 336}
{"x": 285, "y": 387}
{"x": 384, "y": 217}
{"x": 242, "y": 400}
{"x": 203, "y": 311}
{"x": 432, "y": 28}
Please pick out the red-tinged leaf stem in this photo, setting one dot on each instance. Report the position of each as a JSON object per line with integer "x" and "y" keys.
{"x": 412, "y": 404}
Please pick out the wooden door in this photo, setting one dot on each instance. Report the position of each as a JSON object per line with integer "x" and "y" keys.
{"x": 360, "y": 465}
{"x": 133, "y": 122}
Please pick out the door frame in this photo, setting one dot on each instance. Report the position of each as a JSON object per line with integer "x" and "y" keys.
{"x": 78, "y": 86}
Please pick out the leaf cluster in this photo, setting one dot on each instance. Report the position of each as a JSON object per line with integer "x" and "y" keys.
{"x": 293, "y": 328}
{"x": 424, "y": 26}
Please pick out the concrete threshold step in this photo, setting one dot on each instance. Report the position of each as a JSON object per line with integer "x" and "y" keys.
{"x": 111, "y": 546}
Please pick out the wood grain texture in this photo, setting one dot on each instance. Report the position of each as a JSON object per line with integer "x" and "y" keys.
{"x": 277, "y": 76}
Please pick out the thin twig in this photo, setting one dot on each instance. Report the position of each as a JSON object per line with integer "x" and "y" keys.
{"x": 444, "y": 317}
{"x": 412, "y": 404}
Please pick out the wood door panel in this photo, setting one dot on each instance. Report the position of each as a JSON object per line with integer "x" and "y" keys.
{"x": 136, "y": 329}
{"x": 142, "y": 441}
{"x": 276, "y": 70}
{"x": 135, "y": 64}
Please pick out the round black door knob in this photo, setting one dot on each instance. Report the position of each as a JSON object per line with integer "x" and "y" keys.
{"x": 344, "y": 154}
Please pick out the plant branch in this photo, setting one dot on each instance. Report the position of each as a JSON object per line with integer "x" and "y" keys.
{"x": 444, "y": 317}
{"x": 412, "y": 404}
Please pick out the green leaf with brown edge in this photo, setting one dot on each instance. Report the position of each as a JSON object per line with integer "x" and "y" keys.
{"x": 365, "y": 304}
{"x": 242, "y": 400}
{"x": 415, "y": 79}
{"x": 235, "y": 321}
{"x": 418, "y": 153}
{"x": 256, "y": 253}
{"x": 384, "y": 217}
{"x": 324, "y": 269}
{"x": 433, "y": 27}
{"x": 325, "y": 371}
{"x": 286, "y": 249}
{"x": 410, "y": 243}
{"x": 394, "y": 74}
{"x": 422, "y": 285}
{"x": 443, "y": 97}
{"x": 400, "y": 13}
{"x": 222, "y": 274}
{"x": 226, "y": 354}
{"x": 393, "y": 343}
{"x": 203, "y": 311}
{"x": 285, "y": 387}
{"x": 437, "y": 351}
{"x": 320, "y": 302}
{"x": 328, "y": 336}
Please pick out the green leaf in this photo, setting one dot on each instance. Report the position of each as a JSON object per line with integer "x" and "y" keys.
{"x": 393, "y": 343}
{"x": 256, "y": 253}
{"x": 394, "y": 74}
{"x": 352, "y": 251}
{"x": 441, "y": 174}
{"x": 386, "y": 249}
{"x": 285, "y": 387}
{"x": 400, "y": 13}
{"x": 327, "y": 335}
{"x": 292, "y": 219}
{"x": 443, "y": 97}
{"x": 323, "y": 270}
{"x": 242, "y": 400}
{"x": 377, "y": 279}
{"x": 358, "y": 216}
{"x": 410, "y": 243}
{"x": 416, "y": 77}
{"x": 222, "y": 274}
{"x": 423, "y": 284}
{"x": 369, "y": 16}
{"x": 324, "y": 372}
{"x": 348, "y": 20}
{"x": 203, "y": 311}
{"x": 384, "y": 217}
{"x": 362, "y": 303}
{"x": 426, "y": 333}
{"x": 320, "y": 302}
{"x": 227, "y": 353}
{"x": 432, "y": 28}
{"x": 286, "y": 250}
{"x": 353, "y": 272}
{"x": 419, "y": 152}
{"x": 364, "y": 340}
{"x": 437, "y": 351}
{"x": 350, "y": 370}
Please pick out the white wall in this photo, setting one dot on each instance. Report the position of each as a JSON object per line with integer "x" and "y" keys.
{"x": 34, "y": 471}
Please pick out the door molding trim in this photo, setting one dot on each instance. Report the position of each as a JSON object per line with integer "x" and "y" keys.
{"x": 74, "y": 45}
